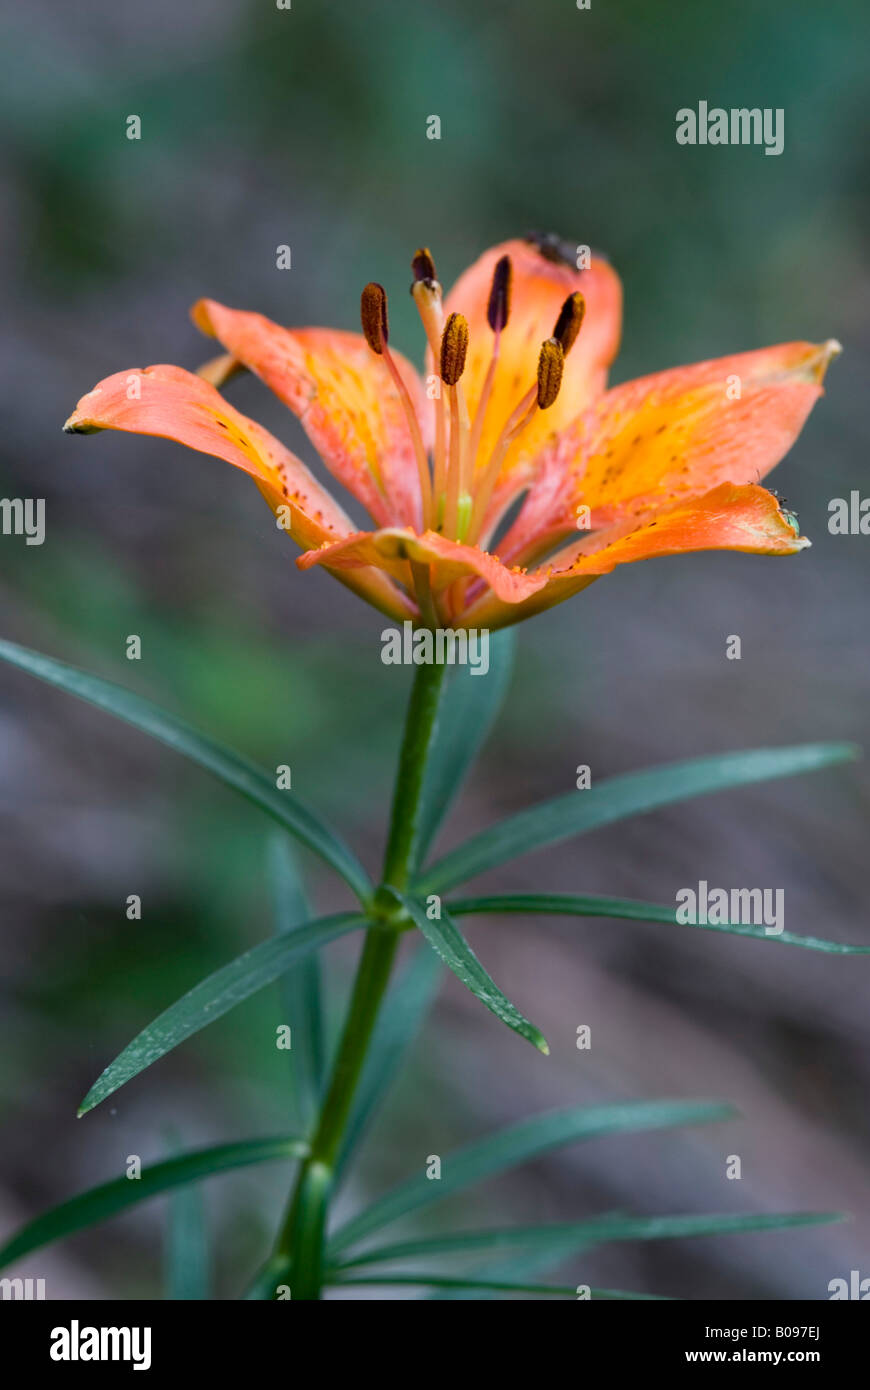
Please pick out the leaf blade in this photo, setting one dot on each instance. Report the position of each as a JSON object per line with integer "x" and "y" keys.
{"x": 441, "y": 1281}
{"x": 447, "y": 940}
{"x": 99, "y": 1203}
{"x": 187, "y": 1258}
{"x": 598, "y": 1230}
{"x": 300, "y": 986}
{"x": 629, "y": 909}
{"x": 633, "y": 793}
{"x": 518, "y": 1144}
{"x": 230, "y": 767}
{"x": 213, "y": 997}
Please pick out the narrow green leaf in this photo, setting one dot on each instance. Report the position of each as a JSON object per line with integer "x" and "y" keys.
{"x": 215, "y": 996}
{"x": 469, "y": 706}
{"x": 446, "y": 938}
{"x": 230, "y": 767}
{"x": 442, "y": 1281}
{"x": 518, "y": 1267}
{"x": 631, "y": 794}
{"x": 262, "y": 1287}
{"x": 518, "y": 1144}
{"x": 187, "y": 1258}
{"x": 600, "y": 1230}
{"x": 300, "y": 986}
{"x": 400, "y": 1019}
{"x": 568, "y": 905}
{"x": 100, "y": 1203}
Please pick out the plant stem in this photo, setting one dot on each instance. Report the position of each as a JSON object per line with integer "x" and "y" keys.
{"x": 299, "y": 1249}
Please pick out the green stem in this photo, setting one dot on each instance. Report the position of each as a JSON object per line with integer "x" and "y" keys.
{"x": 419, "y": 727}
{"x": 299, "y": 1249}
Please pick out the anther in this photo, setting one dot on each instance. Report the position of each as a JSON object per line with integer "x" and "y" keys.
{"x": 454, "y": 346}
{"x": 569, "y": 321}
{"x": 550, "y": 364}
{"x": 499, "y": 306}
{"x": 423, "y": 265}
{"x": 373, "y": 313}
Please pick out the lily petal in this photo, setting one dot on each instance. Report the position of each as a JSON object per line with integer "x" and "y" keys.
{"x": 344, "y": 398}
{"x": 730, "y": 517}
{"x": 171, "y": 403}
{"x": 670, "y": 436}
{"x": 394, "y": 549}
{"x": 541, "y": 282}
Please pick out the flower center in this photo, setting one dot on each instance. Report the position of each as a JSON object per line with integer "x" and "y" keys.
{"x": 457, "y": 489}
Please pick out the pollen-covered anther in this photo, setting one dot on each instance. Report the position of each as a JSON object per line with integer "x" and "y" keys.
{"x": 569, "y": 321}
{"x": 499, "y": 305}
{"x": 454, "y": 346}
{"x": 550, "y": 365}
{"x": 423, "y": 265}
{"x": 373, "y": 314}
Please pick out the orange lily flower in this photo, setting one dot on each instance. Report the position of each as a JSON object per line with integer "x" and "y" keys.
{"x": 514, "y": 418}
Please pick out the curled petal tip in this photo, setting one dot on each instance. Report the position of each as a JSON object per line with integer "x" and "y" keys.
{"x": 818, "y": 363}
{"x": 74, "y": 426}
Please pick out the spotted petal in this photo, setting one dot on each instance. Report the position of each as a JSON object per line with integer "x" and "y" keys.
{"x": 171, "y": 403}
{"x": 730, "y": 517}
{"x": 395, "y": 549}
{"x": 662, "y": 439}
{"x": 344, "y": 398}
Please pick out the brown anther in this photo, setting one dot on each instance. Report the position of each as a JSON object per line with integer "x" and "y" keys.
{"x": 569, "y": 321}
{"x": 423, "y": 265}
{"x": 499, "y": 306}
{"x": 373, "y": 313}
{"x": 454, "y": 346}
{"x": 550, "y": 364}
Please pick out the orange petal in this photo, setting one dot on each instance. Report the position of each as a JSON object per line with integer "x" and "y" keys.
{"x": 663, "y": 438}
{"x": 729, "y": 517}
{"x": 344, "y": 398}
{"x": 393, "y": 549}
{"x": 541, "y": 284}
{"x": 171, "y": 403}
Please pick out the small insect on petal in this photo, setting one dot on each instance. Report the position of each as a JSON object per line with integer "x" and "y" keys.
{"x": 373, "y": 313}
{"x": 550, "y": 365}
{"x": 454, "y": 346}
{"x": 569, "y": 321}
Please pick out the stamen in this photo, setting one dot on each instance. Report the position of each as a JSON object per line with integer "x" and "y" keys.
{"x": 423, "y": 265}
{"x": 375, "y": 326}
{"x": 426, "y": 294}
{"x": 454, "y": 347}
{"x": 499, "y": 306}
{"x": 569, "y": 321}
{"x": 550, "y": 365}
{"x": 373, "y": 313}
{"x": 497, "y": 314}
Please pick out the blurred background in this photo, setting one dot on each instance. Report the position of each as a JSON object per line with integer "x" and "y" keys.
{"x": 306, "y": 127}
